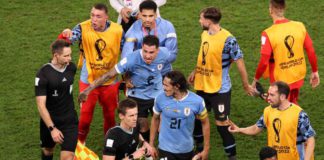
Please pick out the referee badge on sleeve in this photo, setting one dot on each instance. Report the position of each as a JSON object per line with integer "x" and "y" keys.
{"x": 36, "y": 81}
{"x": 109, "y": 143}
{"x": 221, "y": 108}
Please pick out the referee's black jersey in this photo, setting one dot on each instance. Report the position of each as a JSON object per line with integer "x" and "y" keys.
{"x": 121, "y": 143}
{"x": 57, "y": 86}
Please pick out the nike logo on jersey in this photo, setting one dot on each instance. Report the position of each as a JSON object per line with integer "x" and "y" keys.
{"x": 64, "y": 79}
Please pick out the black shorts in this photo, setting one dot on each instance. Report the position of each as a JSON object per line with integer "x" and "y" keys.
{"x": 219, "y": 102}
{"x": 69, "y": 130}
{"x": 175, "y": 156}
{"x": 144, "y": 106}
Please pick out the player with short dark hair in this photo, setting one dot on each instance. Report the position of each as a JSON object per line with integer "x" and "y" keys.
{"x": 121, "y": 142}
{"x": 150, "y": 24}
{"x": 214, "y": 14}
{"x": 175, "y": 112}
{"x": 101, "y": 6}
{"x": 144, "y": 67}
{"x": 282, "y": 52}
{"x": 54, "y": 98}
{"x": 128, "y": 11}
{"x": 268, "y": 153}
{"x": 99, "y": 43}
{"x": 149, "y": 5}
{"x": 219, "y": 48}
{"x": 288, "y": 127}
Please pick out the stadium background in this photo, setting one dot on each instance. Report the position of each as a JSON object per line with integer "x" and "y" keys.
{"x": 28, "y": 28}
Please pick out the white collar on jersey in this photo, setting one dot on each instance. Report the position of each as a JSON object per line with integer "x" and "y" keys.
{"x": 59, "y": 70}
{"x": 183, "y": 98}
{"x": 126, "y": 131}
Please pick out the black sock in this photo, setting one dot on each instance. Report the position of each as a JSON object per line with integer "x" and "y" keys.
{"x": 45, "y": 157}
{"x": 146, "y": 135}
{"x": 228, "y": 140}
{"x": 198, "y": 136}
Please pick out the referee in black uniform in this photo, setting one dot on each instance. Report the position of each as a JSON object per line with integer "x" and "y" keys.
{"x": 122, "y": 141}
{"x": 53, "y": 90}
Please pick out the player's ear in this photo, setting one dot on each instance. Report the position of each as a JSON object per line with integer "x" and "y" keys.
{"x": 121, "y": 116}
{"x": 55, "y": 54}
{"x": 177, "y": 86}
{"x": 283, "y": 97}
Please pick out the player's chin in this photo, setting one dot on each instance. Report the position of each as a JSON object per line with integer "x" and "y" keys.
{"x": 147, "y": 24}
{"x": 167, "y": 93}
{"x": 134, "y": 124}
{"x": 148, "y": 61}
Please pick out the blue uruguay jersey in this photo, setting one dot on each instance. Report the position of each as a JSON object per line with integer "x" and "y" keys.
{"x": 164, "y": 30}
{"x": 177, "y": 121}
{"x": 146, "y": 78}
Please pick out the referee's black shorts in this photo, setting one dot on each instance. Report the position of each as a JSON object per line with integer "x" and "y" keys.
{"x": 69, "y": 129}
{"x": 144, "y": 106}
{"x": 219, "y": 102}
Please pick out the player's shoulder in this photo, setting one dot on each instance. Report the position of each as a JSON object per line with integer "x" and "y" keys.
{"x": 136, "y": 55}
{"x": 133, "y": 56}
{"x": 194, "y": 97}
{"x": 136, "y": 27}
{"x": 296, "y": 22}
{"x": 164, "y": 51}
{"x": 86, "y": 22}
{"x": 163, "y": 54}
{"x": 71, "y": 66}
{"x": 161, "y": 97}
{"x": 296, "y": 106}
{"x": 44, "y": 69}
{"x": 164, "y": 22}
{"x": 114, "y": 131}
{"x": 117, "y": 27}
{"x": 299, "y": 24}
{"x": 203, "y": 34}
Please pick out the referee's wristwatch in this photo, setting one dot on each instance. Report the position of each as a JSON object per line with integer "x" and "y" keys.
{"x": 50, "y": 128}
{"x": 131, "y": 157}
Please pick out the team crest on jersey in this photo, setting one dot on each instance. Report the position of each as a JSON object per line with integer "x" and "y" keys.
{"x": 221, "y": 108}
{"x": 187, "y": 111}
{"x": 160, "y": 66}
